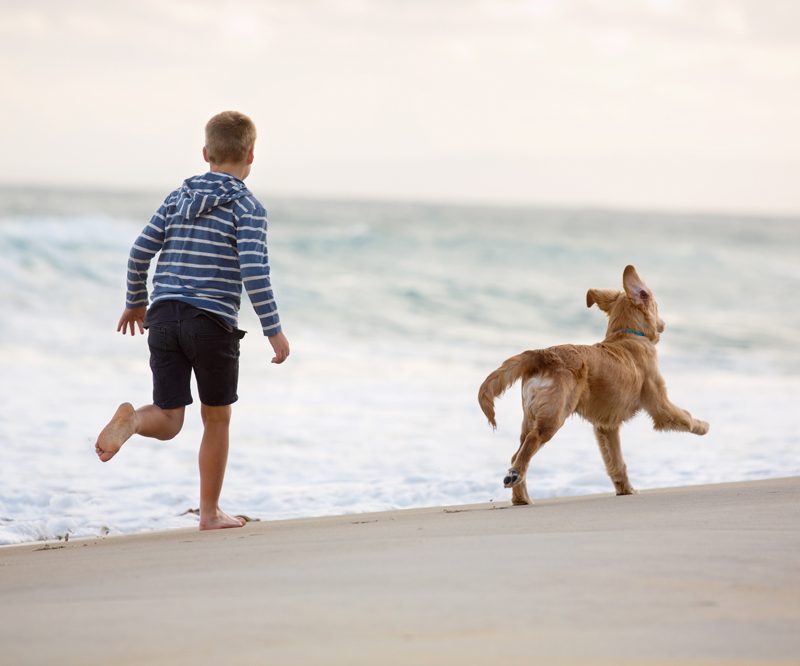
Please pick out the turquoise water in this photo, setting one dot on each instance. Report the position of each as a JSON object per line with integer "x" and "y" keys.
{"x": 395, "y": 312}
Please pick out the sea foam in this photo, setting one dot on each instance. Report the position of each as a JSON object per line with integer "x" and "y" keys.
{"x": 395, "y": 313}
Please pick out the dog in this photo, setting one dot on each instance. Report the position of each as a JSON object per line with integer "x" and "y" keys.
{"x": 606, "y": 383}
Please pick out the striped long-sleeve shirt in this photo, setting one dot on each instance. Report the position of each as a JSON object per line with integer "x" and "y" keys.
{"x": 212, "y": 237}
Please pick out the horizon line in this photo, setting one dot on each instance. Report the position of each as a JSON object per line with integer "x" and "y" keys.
{"x": 427, "y": 200}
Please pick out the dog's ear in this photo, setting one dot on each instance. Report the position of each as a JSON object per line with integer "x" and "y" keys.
{"x": 635, "y": 288}
{"x": 603, "y": 298}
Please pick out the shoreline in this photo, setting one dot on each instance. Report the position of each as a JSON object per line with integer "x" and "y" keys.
{"x": 701, "y": 574}
{"x": 54, "y": 543}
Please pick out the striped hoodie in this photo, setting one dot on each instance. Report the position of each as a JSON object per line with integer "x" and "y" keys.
{"x": 212, "y": 237}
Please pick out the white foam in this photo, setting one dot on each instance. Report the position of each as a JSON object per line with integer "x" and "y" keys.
{"x": 376, "y": 408}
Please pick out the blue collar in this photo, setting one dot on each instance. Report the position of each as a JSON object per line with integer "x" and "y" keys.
{"x": 629, "y": 330}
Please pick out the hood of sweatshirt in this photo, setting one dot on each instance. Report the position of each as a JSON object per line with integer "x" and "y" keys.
{"x": 202, "y": 194}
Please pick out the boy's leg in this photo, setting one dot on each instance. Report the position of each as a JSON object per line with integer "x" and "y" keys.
{"x": 148, "y": 421}
{"x": 213, "y": 458}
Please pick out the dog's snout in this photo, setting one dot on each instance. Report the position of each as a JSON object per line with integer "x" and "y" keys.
{"x": 661, "y": 325}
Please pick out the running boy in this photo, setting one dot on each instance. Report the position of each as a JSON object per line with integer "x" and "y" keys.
{"x": 212, "y": 237}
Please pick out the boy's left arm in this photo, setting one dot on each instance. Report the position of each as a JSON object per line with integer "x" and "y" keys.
{"x": 251, "y": 241}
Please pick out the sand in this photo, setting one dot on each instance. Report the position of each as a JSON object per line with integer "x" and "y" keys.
{"x": 698, "y": 575}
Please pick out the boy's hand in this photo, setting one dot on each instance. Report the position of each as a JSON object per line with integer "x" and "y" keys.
{"x": 280, "y": 346}
{"x": 131, "y": 316}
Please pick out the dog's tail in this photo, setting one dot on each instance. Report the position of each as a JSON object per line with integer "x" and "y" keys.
{"x": 521, "y": 365}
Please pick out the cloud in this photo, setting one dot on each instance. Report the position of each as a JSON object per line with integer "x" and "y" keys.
{"x": 430, "y": 83}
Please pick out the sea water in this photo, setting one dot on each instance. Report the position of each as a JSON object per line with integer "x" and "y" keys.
{"x": 395, "y": 313}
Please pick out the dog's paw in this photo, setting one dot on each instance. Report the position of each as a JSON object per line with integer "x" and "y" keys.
{"x": 700, "y": 428}
{"x": 626, "y": 490}
{"x": 511, "y": 479}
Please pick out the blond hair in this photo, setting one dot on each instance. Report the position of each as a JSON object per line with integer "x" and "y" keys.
{"x": 230, "y": 136}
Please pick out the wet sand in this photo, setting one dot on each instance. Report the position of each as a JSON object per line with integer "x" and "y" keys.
{"x": 696, "y": 575}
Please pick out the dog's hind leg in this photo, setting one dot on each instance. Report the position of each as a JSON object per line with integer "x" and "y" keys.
{"x": 519, "y": 492}
{"x": 542, "y": 431}
{"x": 608, "y": 440}
{"x": 526, "y": 428}
{"x": 544, "y": 416}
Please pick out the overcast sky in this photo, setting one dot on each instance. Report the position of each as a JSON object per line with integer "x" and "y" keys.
{"x": 687, "y": 104}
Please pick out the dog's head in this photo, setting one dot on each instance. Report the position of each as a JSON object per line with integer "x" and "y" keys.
{"x": 634, "y": 308}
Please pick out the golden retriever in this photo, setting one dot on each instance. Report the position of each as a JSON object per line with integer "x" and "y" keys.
{"x": 606, "y": 383}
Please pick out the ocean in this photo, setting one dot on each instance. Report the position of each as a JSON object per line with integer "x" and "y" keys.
{"x": 395, "y": 313}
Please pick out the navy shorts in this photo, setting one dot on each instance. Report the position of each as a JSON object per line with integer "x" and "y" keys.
{"x": 198, "y": 343}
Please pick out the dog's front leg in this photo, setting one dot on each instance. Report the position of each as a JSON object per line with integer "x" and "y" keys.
{"x": 665, "y": 415}
{"x": 608, "y": 441}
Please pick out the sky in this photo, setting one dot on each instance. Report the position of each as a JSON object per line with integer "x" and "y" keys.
{"x": 665, "y": 104}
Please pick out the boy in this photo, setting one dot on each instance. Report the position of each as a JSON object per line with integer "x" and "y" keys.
{"x": 211, "y": 235}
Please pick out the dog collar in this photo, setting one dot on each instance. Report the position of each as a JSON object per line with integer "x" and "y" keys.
{"x": 630, "y": 330}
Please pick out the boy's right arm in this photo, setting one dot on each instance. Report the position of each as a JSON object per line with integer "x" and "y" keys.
{"x": 147, "y": 245}
{"x": 132, "y": 317}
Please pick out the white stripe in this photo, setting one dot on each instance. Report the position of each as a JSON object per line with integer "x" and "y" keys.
{"x": 200, "y": 279}
{"x": 159, "y": 216}
{"x": 261, "y": 229}
{"x": 138, "y": 291}
{"x": 206, "y": 266}
{"x": 254, "y": 277}
{"x": 194, "y": 240}
{"x": 269, "y": 328}
{"x": 253, "y": 217}
{"x": 159, "y": 230}
{"x": 195, "y": 227}
{"x": 258, "y": 253}
{"x": 150, "y": 238}
{"x": 239, "y": 203}
{"x": 207, "y": 216}
{"x": 222, "y": 180}
{"x": 145, "y": 250}
{"x": 253, "y": 292}
{"x": 224, "y": 292}
{"x": 130, "y": 282}
{"x": 201, "y": 254}
{"x": 243, "y": 266}
{"x": 260, "y": 303}
{"x": 140, "y": 261}
{"x": 220, "y": 296}
{"x": 257, "y": 241}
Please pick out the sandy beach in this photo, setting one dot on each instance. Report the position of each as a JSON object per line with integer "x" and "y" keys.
{"x": 696, "y": 575}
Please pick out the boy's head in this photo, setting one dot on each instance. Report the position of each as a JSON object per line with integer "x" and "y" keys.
{"x": 230, "y": 139}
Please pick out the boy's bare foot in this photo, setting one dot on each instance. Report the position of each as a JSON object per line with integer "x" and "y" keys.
{"x": 117, "y": 432}
{"x": 219, "y": 520}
